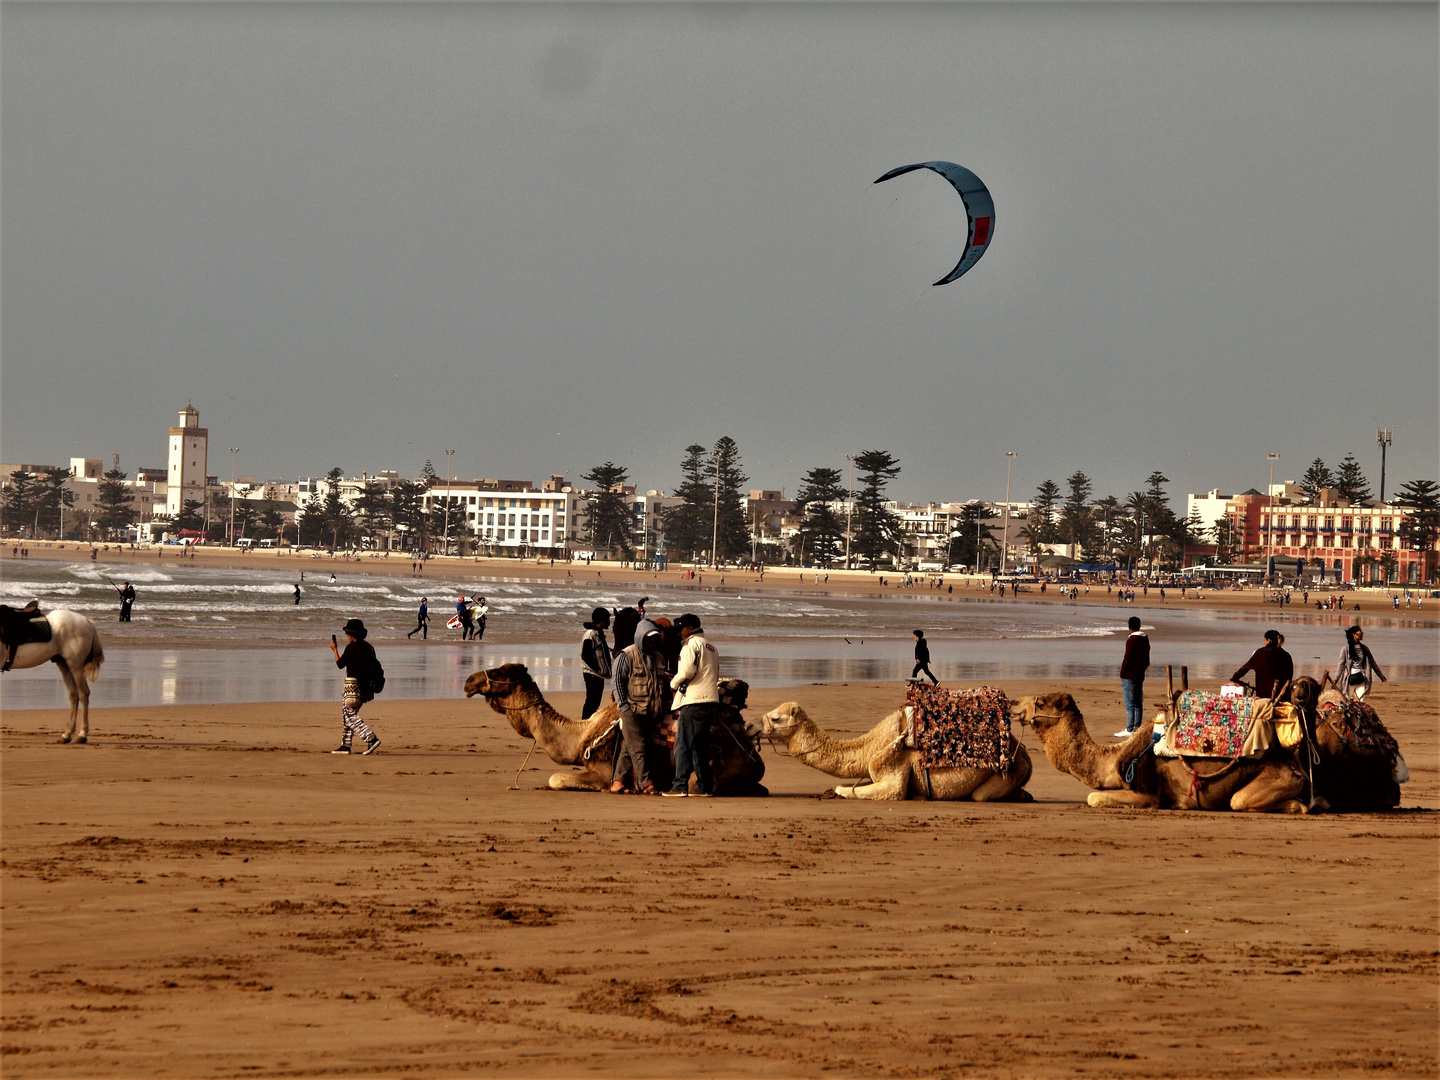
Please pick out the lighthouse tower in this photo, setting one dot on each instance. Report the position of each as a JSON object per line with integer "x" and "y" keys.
{"x": 186, "y": 477}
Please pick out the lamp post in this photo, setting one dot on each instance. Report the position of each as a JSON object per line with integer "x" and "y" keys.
{"x": 977, "y": 547}
{"x": 449, "y": 462}
{"x": 849, "y": 507}
{"x": 1005, "y": 528}
{"x": 715, "y": 525}
{"x": 1383, "y": 436}
{"x": 1270, "y": 501}
{"x": 233, "y": 451}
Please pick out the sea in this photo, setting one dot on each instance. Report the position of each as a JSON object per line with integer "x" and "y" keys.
{"x": 204, "y": 635}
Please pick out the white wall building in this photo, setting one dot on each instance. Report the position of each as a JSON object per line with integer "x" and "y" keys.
{"x": 188, "y": 462}
{"x": 512, "y": 522}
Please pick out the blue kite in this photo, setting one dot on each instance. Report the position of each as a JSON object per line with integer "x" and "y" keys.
{"x": 979, "y": 208}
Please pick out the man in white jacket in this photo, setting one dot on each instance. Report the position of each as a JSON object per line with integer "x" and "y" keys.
{"x": 697, "y": 696}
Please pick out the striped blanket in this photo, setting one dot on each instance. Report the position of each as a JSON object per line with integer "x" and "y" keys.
{"x": 961, "y": 728}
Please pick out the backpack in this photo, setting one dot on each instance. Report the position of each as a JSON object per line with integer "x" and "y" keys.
{"x": 376, "y": 679}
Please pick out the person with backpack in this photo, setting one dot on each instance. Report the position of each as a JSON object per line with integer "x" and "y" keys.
{"x": 364, "y": 678}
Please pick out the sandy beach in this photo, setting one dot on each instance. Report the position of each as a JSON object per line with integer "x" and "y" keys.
{"x": 203, "y": 891}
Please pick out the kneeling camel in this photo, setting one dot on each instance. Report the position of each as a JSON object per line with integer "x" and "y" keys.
{"x": 893, "y": 770}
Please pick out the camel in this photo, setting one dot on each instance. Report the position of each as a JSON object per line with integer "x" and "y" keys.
{"x": 1268, "y": 785}
{"x": 1349, "y": 777}
{"x": 736, "y": 764}
{"x": 74, "y": 648}
{"x": 892, "y": 770}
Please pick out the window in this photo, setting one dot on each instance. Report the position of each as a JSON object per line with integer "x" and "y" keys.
{"x": 1345, "y": 524}
{"x": 524, "y": 519}
{"x": 1329, "y": 523}
{"x": 1385, "y": 524}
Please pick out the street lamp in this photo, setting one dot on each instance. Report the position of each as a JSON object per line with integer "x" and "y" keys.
{"x": 715, "y": 525}
{"x": 849, "y": 507}
{"x": 1384, "y": 436}
{"x": 1005, "y": 528}
{"x": 449, "y": 461}
{"x": 1270, "y": 528}
{"x": 233, "y": 451}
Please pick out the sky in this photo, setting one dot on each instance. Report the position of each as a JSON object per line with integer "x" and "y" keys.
{"x": 548, "y": 235}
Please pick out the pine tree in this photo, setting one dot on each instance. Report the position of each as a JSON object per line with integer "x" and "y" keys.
{"x": 310, "y": 522}
{"x": 189, "y": 519}
{"x": 608, "y": 517}
{"x": 50, "y": 495}
{"x": 1317, "y": 476}
{"x": 428, "y": 476}
{"x": 112, "y": 502}
{"x": 19, "y": 504}
{"x": 875, "y": 525}
{"x": 372, "y": 509}
{"x": 338, "y": 517}
{"x": 731, "y": 531}
{"x": 1350, "y": 481}
{"x": 970, "y": 529}
{"x": 1076, "y": 522}
{"x": 1419, "y": 529}
{"x": 406, "y": 514}
{"x": 822, "y": 533}
{"x": 1042, "y": 513}
{"x": 687, "y": 525}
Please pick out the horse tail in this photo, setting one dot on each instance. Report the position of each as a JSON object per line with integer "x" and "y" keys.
{"x": 96, "y": 656}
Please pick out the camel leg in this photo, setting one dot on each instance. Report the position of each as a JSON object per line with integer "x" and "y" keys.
{"x": 1129, "y": 800}
{"x": 889, "y": 787}
{"x": 580, "y": 780}
{"x": 74, "y": 692}
{"x": 1271, "y": 796}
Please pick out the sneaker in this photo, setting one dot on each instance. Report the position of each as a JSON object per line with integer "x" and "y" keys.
{"x": 341, "y": 750}
{"x": 675, "y": 794}
{"x": 370, "y": 747}
{"x": 702, "y": 795}
{"x": 1123, "y": 734}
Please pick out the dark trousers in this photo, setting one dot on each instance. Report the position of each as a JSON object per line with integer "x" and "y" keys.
{"x": 422, "y": 627}
{"x": 594, "y": 694}
{"x": 692, "y": 748}
{"x": 924, "y": 665}
{"x": 124, "y": 611}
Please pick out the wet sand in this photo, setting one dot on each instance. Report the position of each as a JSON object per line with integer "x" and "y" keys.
{"x": 202, "y": 891}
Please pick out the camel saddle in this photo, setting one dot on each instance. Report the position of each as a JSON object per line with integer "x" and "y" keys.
{"x": 956, "y": 729}
{"x": 1209, "y": 725}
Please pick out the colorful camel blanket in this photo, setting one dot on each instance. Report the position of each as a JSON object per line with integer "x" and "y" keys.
{"x": 1366, "y": 733}
{"x": 959, "y": 728}
{"x": 1208, "y": 725}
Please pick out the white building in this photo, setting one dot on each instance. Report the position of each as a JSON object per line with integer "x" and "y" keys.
{"x": 512, "y": 522}
{"x": 188, "y": 462}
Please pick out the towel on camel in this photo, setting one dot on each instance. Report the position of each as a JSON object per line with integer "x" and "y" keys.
{"x": 1208, "y": 725}
{"x": 959, "y": 728}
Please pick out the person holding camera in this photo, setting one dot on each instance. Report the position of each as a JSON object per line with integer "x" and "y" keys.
{"x": 363, "y": 679}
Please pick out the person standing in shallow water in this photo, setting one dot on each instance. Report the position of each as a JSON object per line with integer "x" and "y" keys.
{"x": 1132, "y": 676}
{"x": 359, "y": 664}
{"x": 127, "y": 601}
{"x": 422, "y": 620}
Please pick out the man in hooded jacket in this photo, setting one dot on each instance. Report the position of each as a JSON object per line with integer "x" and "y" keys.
{"x": 596, "y": 660}
{"x": 642, "y": 691}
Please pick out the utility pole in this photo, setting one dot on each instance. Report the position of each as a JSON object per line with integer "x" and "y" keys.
{"x": 715, "y": 527}
{"x": 1005, "y": 528}
{"x": 449, "y": 463}
{"x": 233, "y": 451}
{"x": 1384, "y": 436}
{"x": 1270, "y": 501}
{"x": 849, "y": 507}
{"x": 977, "y": 547}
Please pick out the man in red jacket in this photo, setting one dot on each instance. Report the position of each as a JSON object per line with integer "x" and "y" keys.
{"x": 1132, "y": 676}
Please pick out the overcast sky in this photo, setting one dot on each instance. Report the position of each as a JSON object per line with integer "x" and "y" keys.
{"x": 551, "y": 235}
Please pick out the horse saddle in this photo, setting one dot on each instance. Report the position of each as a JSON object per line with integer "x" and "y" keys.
{"x": 22, "y": 627}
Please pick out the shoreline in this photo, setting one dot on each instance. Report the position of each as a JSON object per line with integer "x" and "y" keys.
{"x": 1375, "y": 601}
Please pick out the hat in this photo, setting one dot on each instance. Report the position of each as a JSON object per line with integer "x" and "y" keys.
{"x": 356, "y": 629}
{"x": 600, "y": 615}
{"x": 688, "y": 620}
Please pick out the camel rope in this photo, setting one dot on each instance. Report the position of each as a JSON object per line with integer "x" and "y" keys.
{"x": 516, "y": 785}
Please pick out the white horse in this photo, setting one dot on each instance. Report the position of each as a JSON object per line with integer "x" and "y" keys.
{"x": 74, "y": 647}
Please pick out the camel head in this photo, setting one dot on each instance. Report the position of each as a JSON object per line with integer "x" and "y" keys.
{"x": 507, "y": 685}
{"x": 783, "y": 721}
{"x": 1305, "y": 695}
{"x": 1046, "y": 713}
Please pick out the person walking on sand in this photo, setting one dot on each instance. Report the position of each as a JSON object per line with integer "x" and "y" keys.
{"x": 922, "y": 658}
{"x": 361, "y": 667}
{"x": 596, "y": 660}
{"x": 1356, "y": 669}
{"x": 1132, "y": 676}
{"x": 642, "y": 691}
{"x": 422, "y": 621}
{"x": 697, "y": 687}
{"x": 1272, "y": 665}
{"x": 479, "y": 611}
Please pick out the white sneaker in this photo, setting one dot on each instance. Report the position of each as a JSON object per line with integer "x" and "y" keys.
{"x": 675, "y": 794}
{"x": 1123, "y": 734}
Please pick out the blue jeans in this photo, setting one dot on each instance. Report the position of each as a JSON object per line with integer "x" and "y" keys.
{"x": 692, "y": 752}
{"x": 1133, "y": 691}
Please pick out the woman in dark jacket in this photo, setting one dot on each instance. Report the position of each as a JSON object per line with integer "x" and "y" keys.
{"x": 596, "y": 660}
{"x": 359, "y": 663}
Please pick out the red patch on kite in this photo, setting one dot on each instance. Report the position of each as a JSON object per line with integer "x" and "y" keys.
{"x": 982, "y": 230}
